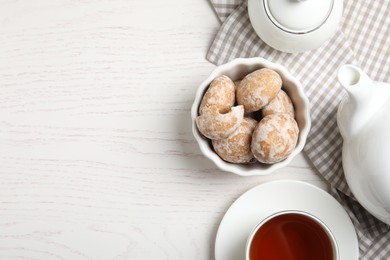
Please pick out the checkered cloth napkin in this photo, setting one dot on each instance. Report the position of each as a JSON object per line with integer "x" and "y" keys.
{"x": 363, "y": 39}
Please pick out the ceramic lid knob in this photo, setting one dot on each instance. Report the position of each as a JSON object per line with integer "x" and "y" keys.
{"x": 299, "y": 16}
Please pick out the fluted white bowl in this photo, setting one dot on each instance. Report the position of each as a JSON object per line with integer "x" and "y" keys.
{"x": 236, "y": 70}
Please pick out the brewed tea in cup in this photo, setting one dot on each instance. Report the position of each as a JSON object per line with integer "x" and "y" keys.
{"x": 291, "y": 235}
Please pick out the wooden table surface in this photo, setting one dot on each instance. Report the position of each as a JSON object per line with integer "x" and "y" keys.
{"x": 97, "y": 158}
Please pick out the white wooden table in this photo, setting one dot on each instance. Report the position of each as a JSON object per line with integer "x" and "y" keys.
{"x": 97, "y": 158}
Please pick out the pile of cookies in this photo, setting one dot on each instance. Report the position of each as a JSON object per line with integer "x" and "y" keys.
{"x": 227, "y": 117}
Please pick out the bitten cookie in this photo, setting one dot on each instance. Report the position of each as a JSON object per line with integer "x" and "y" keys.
{"x": 280, "y": 104}
{"x": 214, "y": 125}
{"x": 221, "y": 93}
{"x": 274, "y": 138}
{"x": 258, "y": 88}
{"x": 237, "y": 147}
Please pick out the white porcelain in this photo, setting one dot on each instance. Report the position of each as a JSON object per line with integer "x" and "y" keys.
{"x": 364, "y": 122}
{"x": 236, "y": 70}
{"x": 324, "y": 227}
{"x": 272, "y": 197}
{"x": 295, "y": 25}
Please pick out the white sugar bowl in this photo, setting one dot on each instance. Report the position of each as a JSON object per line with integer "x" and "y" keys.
{"x": 295, "y": 25}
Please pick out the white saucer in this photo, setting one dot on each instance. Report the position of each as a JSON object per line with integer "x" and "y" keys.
{"x": 275, "y": 196}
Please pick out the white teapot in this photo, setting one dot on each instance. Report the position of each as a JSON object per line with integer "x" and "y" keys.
{"x": 364, "y": 122}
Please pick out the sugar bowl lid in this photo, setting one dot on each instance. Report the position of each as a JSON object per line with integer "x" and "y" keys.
{"x": 295, "y": 25}
{"x": 298, "y": 16}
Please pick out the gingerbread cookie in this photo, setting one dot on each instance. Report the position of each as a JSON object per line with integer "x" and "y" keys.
{"x": 274, "y": 138}
{"x": 258, "y": 88}
{"x": 214, "y": 125}
{"x": 280, "y": 104}
{"x": 237, "y": 147}
{"x": 221, "y": 93}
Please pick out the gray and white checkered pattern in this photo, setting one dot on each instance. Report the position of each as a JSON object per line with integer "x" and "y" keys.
{"x": 363, "y": 39}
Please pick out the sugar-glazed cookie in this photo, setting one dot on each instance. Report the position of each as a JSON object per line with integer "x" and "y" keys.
{"x": 237, "y": 147}
{"x": 221, "y": 93}
{"x": 274, "y": 138}
{"x": 258, "y": 88}
{"x": 280, "y": 104}
{"x": 214, "y": 125}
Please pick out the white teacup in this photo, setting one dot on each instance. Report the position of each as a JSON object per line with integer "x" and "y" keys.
{"x": 291, "y": 234}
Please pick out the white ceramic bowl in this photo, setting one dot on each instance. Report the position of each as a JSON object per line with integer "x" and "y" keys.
{"x": 236, "y": 70}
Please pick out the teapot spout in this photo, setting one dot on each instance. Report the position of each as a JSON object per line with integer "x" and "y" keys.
{"x": 352, "y": 113}
{"x": 351, "y": 77}
{"x": 364, "y": 99}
